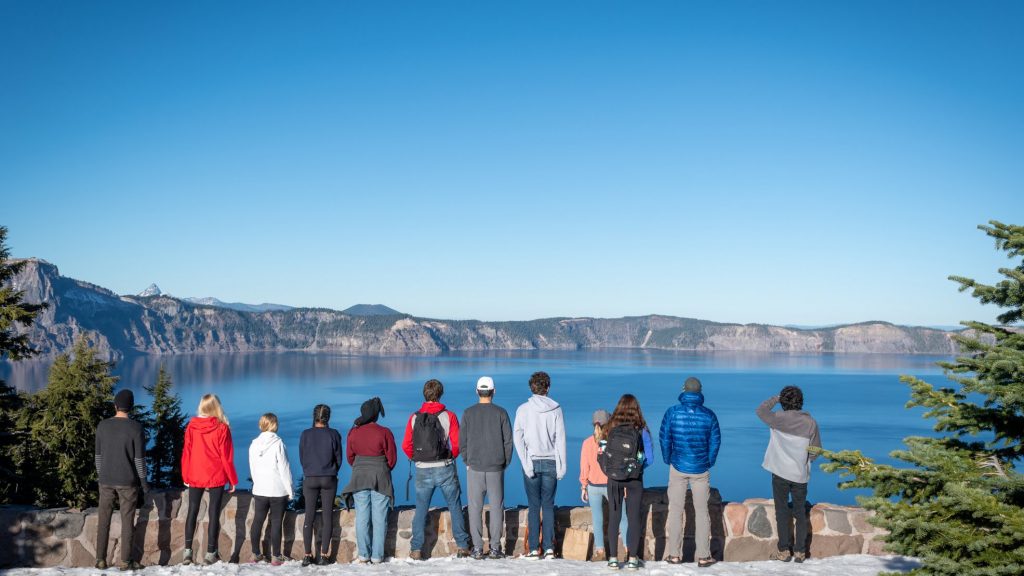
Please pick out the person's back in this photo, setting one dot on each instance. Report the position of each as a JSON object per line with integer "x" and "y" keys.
{"x": 320, "y": 451}
{"x": 121, "y": 469}
{"x": 320, "y": 457}
{"x": 485, "y": 442}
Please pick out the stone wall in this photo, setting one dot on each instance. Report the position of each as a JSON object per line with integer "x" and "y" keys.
{"x": 741, "y": 531}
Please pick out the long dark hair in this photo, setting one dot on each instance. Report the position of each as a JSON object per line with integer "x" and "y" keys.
{"x": 321, "y": 414}
{"x": 627, "y": 412}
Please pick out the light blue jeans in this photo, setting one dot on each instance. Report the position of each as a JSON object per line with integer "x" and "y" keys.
{"x": 427, "y": 481}
{"x": 597, "y": 496}
{"x": 371, "y": 514}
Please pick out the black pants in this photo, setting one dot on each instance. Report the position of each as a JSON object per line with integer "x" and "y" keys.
{"x": 628, "y": 495}
{"x": 782, "y": 489}
{"x": 274, "y": 505}
{"x": 127, "y": 499}
{"x": 325, "y": 488}
{"x": 195, "y": 497}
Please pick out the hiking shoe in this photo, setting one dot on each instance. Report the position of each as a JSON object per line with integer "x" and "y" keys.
{"x": 211, "y": 558}
{"x": 495, "y": 554}
{"x": 549, "y": 554}
{"x": 278, "y": 560}
{"x": 781, "y": 556}
{"x": 613, "y": 563}
{"x": 705, "y": 562}
{"x": 674, "y": 560}
{"x": 361, "y": 561}
{"x": 598, "y": 555}
{"x": 533, "y": 555}
{"x": 462, "y": 553}
{"x": 634, "y": 564}
{"x": 186, "y": 558}
{"x": 477, "y": 554}
{"x": 130, "y": 566}
{"x": 322, "y": 560}
{"x": 799, "y": 557}
{"x": 101, "y": 564}
{"x": 415, "y": 555}
{"x": 259, "y": 558}
{"x": 307, "y": 560}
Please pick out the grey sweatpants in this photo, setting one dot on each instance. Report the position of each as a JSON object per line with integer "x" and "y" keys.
{"x": 700, "y": 485}
{"x": 492, "y": 484}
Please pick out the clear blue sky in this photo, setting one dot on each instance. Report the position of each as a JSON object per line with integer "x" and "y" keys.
{"x": 782, "y": 162}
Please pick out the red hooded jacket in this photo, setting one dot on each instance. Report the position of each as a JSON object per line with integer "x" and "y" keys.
{"x": 453, "y": 428}
{"x": 208, "y": 459}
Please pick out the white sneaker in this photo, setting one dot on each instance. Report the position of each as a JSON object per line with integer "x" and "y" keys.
{"x": 533, "y": 555}
{"x": 549, "y": 554}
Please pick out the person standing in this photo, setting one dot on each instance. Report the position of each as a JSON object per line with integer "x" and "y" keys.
{"x": 789, "y": 461}
{"x": 432, "y": 442}
{"x": 690, "y": 439}
{"x": 121, "y": 469}
{"x": 320, "y": 456}
{"x": 485, "y": 442}
{"x": 372, "y": 454}
{"x": 207, "y": 464}
{"x": 539, "y": 437}
{"x": 271, "y": 488}
{"x": 594, "y": 483}
{"x": 624, "y": 455}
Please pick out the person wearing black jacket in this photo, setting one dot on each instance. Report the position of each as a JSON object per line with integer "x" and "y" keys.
{"x": 121, "y": 467}
{"x": 320, "y": 455}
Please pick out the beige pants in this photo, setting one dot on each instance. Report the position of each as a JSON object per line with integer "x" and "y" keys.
{"x": 700, "y": 485}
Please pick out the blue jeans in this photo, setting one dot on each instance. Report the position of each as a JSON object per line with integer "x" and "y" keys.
{"x": 428, "y": 480}
{"x": 597, "y": 496}
{"x": 371, "y": 513}
{"x": 540, "y": 493}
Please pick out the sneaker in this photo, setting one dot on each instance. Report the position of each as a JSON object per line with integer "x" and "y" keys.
{"x": 533, "y": 555}
{"x": 674, "y": 560}
{"x": 613, "y": 563}
{"x": 415, "y": 555}
{"x": 376, "y": 560}
{"x": 799, "y": 557}
{"x": 634, "y": 564}
{"x": 101, "y": 564}
{"x": 186, "y": 557}
{"x": 307, "y": 560}
{"x": 259, "y": 558}
{"x": 477, "y": 554}
{"x": 278, "y": 560}
{"x": 598, "y": 556}
{"x": 781, "y": 556}
{"x": 361, "y": 561}
{"x": 495, "y": 554}
{"x": 322, "y": 560}
{"x": 549, "y": 554}
{"x": 705, "y": 562}
{"x": 131, "y": 566}
{"x": 462, "y": 553}
{"x": 211, "y": 558}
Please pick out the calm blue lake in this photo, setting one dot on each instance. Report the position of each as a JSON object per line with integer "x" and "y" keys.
{"x": 857, "y": 399}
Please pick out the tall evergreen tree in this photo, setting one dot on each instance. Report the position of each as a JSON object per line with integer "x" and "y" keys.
{"x": 166, "y": 424}
{"x": 13, "y": 346}
{"x": 61, "y": 420}
{"x": 960, "y": 505}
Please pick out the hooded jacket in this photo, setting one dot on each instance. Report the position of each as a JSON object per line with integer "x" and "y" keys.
{"x": 450, "y": 423}
{"x": 208, "y": 458}
{"x": 690, "y": 436}
{"x": 268, "y": 465}
{"x": 539, "y": 434}
{"x": 792, "y": 432}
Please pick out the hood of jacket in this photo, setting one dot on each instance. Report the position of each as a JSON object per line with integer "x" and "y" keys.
{"x": 432, "y": 407}
{"x": 266, "y": 442}
{"x": 205, "y": 424}
{"x": 691, "y": 398}
{"x": 542, "y": 403}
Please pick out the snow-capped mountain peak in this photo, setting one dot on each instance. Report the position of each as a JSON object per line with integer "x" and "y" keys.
{"x": 152, "y": 290}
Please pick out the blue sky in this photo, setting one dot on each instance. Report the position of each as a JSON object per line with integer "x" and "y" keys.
{"x": 779, "y": 162}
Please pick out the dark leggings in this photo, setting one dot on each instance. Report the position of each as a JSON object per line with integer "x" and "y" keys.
{"x": 324, "y": 487}
{"x": 632, "y": 492}
{"x": 275, "y": 507}
{"x": 195, "y": 497}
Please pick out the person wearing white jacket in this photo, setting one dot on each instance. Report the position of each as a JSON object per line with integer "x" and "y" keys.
{"x": 271, "y": 488}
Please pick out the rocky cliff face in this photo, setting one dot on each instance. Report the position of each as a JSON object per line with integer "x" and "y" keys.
{"x": 159, "y": 324}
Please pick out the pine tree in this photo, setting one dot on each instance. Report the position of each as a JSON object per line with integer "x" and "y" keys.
{"x": 61, "y": 420}
{"x": 13, "y": 346}
{"x": 959, "y": 507}
{"x": 166, "y": 425}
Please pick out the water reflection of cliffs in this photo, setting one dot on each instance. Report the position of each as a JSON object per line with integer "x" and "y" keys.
{"x": 127, "y": 325}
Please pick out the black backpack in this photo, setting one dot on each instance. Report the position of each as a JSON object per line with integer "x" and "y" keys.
{"x": 619, "y": 460}
{"x": 429, "y": 442}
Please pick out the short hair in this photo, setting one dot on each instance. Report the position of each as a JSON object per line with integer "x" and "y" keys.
{"x": 540, "y": 383}
{"x": 268, "y": 422}
{"x": 322, "y": 414}
{"x": 485, "y": 393}
{"x": 433, "y": 390}
{"x": 791, "y": 398}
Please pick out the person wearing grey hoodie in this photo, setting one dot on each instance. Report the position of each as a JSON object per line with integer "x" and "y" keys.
{"x": 539, "y": 438}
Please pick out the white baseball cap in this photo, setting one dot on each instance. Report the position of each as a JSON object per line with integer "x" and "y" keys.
{"x": 485, "y": 383}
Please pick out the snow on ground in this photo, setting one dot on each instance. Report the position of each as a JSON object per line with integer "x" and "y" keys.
{"x": 854, "y": 565}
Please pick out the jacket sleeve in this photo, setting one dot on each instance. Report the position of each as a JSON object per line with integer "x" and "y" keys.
{"x": 764, "y": 411}
{"x": 665, "y": 437}
{"x": 453, "y": 433}
{"x": 584, "y": 463}
{"x": 462, "y": 440}
{"x": 284, "y": 470}
{"x": 229, "y": 457}
{"x": 407, "y": 439}
{"x": 139, "y": 459}
{"x": 186, "y": 458}
{"x": 648, "y": 447}
{"x": 815, "y": 441}
{"x": 390, "y": 451}
{"x": 561, "y": 465}
{"x": 339, "y": 458}
{"x": 350, "y": 451}
{"x": 506, "y": 438}
{"x": 98, "y": 454}
{"x": 715, "y": 440}
{"x": 519, "y": 440}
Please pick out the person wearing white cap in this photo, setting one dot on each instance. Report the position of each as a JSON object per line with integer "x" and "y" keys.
{"x": 486, "y": 447}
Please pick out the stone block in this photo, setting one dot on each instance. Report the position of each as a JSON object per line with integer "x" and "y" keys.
{"x": 859, "y": 519}
{"x": 817, "y": 520}
{"x": 759, "y": 524}
{"x": 823, "y": 546}
{"x": 876, "y": 547}
{"x": 79, "y": 555}
{"x": 749, "y": 549}
{"x": 68, "y": 525}
{"x": 735, "y": 518}
{"x": 346, "y": 551}
{"x": 836, "y": 521}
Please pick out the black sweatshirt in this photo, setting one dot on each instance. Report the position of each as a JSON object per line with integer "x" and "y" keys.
{"x": 120, "y": 452}
{"x": 320, "y": 451}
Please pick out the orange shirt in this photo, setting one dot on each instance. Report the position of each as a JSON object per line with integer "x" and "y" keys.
{"x": 590, "y": 471}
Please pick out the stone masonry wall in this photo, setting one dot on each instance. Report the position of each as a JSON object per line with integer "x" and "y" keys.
{"x": 741, "y": 531}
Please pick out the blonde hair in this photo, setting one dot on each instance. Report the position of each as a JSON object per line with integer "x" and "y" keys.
{"x": 268, "y": 422}
{"x": 209, "y": 406}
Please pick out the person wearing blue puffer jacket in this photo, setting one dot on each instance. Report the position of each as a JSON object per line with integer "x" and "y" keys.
{"x": 690, "y": 438}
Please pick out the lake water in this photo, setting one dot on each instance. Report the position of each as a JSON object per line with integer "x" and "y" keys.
{"x": 857, "y": 399}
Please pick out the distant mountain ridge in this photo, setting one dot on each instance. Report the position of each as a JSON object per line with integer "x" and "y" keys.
{"x": 160, "y": 324}
{"x": 370, "y": 310}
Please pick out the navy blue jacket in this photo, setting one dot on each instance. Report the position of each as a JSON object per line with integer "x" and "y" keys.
{"x": 689, "y": 435}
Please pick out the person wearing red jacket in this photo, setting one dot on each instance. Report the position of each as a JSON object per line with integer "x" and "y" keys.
{"x": 432, "y": 442}
{"x": 207, "y": 464}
